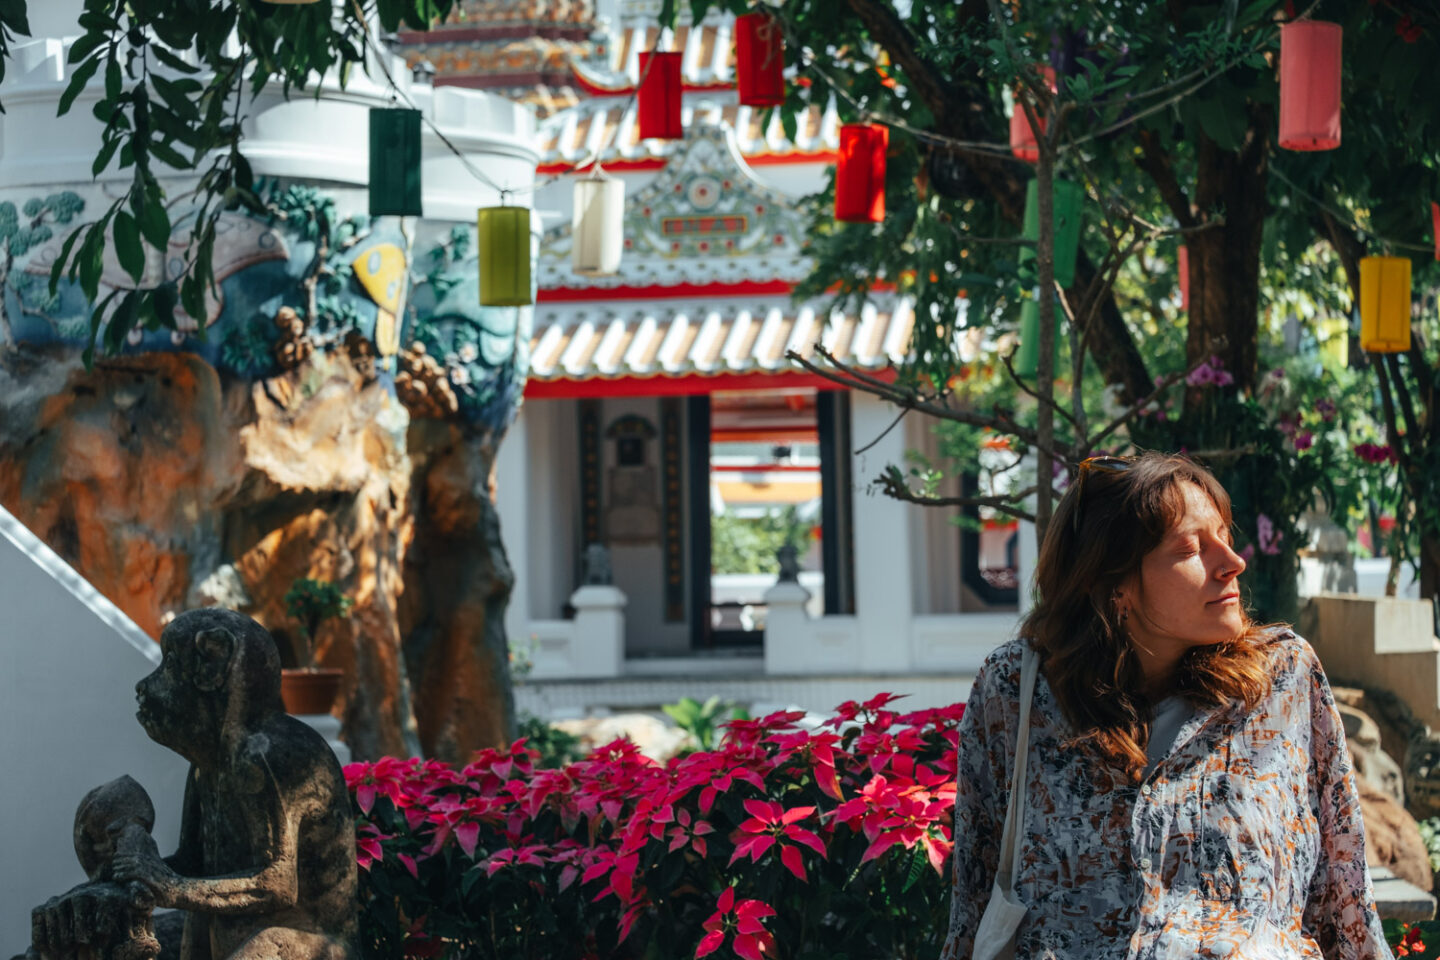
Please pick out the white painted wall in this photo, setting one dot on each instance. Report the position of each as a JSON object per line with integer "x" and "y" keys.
{"x": 884, "y": 555}
{"x": 69, "y": 661}
{"x": 551, "y": 522}
{"x": 512, "y": 505}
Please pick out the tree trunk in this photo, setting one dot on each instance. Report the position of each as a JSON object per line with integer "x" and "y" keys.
{"x": 1225, "y": 259}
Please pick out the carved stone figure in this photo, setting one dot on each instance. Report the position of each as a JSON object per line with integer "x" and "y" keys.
{"x": 597, "y": 572}
{"x": 103, "y": 919}
{"x": 266, "y": 862}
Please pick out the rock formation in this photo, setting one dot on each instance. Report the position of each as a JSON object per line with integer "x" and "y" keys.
{"x": 189, "y": 471}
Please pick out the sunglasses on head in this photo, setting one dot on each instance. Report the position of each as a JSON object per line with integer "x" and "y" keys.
{"x": 1103, "y": 464}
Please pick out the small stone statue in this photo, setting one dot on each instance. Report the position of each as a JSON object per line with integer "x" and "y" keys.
{"x": 789, "y": 559}
{"x": 266, "y": 863}
{"x": 103, "y": 919}
{"x": 597, "y": 566}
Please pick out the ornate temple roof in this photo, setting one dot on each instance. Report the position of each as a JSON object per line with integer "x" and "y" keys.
{"x": 649, "y": 339}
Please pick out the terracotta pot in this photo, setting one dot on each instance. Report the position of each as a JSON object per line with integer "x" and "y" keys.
{"x": 310, "y": 691}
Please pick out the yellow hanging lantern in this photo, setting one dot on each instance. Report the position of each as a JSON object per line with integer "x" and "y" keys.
{"x": 1385, "y": 304}
{"x": 598, "y": 226}
{"x": 504, "y": 247}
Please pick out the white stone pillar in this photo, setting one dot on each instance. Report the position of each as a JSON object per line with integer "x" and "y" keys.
{"x": 512, "y": 494}
{"x": 789, "y": 637}
{"x": 599, "y": 645}
{"x": 883, "y": 552}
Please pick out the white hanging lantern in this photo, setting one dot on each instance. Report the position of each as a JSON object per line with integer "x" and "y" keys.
{"x": 598, "y": 227}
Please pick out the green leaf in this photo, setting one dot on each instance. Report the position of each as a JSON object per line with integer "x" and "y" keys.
{"x": 112, "y": 76}
{"x": 122, "y": 321}
{"x": 788, "y": 122}
{"x": 173, "y": 93}
{"x": 58, "y": 266}
{"x": 12, "y": 14}
{"x": 102, "y": 159}
{"x": 169, "y": 155}
{"x": 155, "y": 222}
{"x": 171, "y": 60}
{"x": 128, "y": 249}
{"x": 83, "y": 47}
{"x": 82, "y": 76}
{"x": 90, "y": 259}
{"x": 667, "y": 13}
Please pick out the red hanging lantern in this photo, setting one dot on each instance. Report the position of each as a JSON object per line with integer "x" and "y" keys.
{"x": 759, "y": 60}
{"x": 1183, "y": 268}
{"x": 1022, "y": 138}
{"x": 860, "y": 173}
{"x": 657, "y": 100}
{"x": 1310, "y": 85}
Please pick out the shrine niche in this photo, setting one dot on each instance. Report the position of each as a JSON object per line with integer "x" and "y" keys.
{"x": 632, "y": 509}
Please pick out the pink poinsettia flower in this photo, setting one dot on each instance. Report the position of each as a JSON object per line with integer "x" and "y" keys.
{"x": 684, "y": 833}
{"x": 745, "y": 921}
{"x": 818, "y": 751}
{"x": 769, "y": 825}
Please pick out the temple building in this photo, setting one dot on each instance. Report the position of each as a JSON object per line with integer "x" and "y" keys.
{"x": 663, "y": 421}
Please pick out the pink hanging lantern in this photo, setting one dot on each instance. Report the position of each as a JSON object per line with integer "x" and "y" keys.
{"x": 1022, "y": 138}
{"x": 1310, "y": 85}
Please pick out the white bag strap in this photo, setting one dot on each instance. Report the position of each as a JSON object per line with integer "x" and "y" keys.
{"x": 1009, "y": 865}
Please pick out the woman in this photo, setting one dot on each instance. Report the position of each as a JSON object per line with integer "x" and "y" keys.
{"x": 1188, "y": 789}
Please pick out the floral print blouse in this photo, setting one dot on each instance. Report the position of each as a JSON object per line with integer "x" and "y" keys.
{"x": 1244, "y": 841}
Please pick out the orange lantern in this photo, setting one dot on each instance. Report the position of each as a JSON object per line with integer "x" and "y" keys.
{"x": 1184, "y": 270}
{"x": 657, "y": 100}
{"x": 759, "y": 60}
{"x": 860, "y": 173}
{"x": 1310, "y": 85}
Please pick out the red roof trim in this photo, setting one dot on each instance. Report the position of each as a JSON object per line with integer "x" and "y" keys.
{"x": 658, "y": 163}
{"x": 659, "y": 291}
{"x": 688, "y": 385}
{"x": 595, "y": 90}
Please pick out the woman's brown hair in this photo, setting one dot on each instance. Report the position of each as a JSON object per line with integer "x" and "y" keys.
{"x": 1088, "y": 659}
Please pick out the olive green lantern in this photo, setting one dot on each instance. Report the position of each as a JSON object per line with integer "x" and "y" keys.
{"x": 1068, "y": 211}
{"x": 1027, "y": 358}
{"x": 504, "y": 247}
{"x": 394, "y": 162}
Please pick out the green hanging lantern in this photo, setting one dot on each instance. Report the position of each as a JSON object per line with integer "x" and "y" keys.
{"x": 504, "y": 247}
{"x": 1027, "y": 358}
{"x": 1068, "y": 211}
{"x": 394, "y": 162}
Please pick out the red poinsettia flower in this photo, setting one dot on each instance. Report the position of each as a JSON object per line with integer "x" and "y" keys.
{"x": 752, "y": 940}
{"x": 769, "y": 825}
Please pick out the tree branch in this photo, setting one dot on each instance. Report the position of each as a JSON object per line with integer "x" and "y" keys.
{"x": 1156, "y": 162}
{"x": 894, "y": 486}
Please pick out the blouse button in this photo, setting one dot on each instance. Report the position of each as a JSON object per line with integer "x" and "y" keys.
{"x": 1145, "y": 789}
{"x": 1145, "y": 863}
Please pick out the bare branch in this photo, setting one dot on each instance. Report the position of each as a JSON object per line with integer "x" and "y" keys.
{"x": 893, "y": 486}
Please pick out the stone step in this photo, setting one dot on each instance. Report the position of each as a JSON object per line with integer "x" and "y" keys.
{"x": 1398, "y": 899}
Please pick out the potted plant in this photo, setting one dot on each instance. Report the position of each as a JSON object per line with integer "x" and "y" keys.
{"x": 311, "y": 689}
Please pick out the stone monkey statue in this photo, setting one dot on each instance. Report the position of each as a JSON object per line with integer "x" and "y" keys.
{"x": 266, "y": 861}
{"x": 102, "y": 919}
